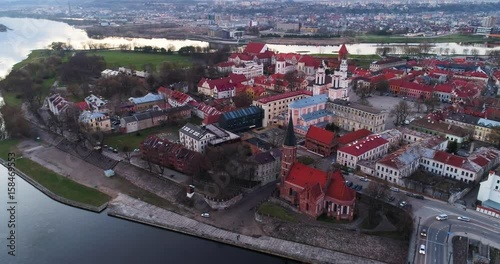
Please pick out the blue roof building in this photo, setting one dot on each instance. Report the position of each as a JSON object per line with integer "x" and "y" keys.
{"x": 242, "y": 119}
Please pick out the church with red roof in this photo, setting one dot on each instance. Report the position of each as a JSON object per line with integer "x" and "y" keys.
{"x": 314, "y": 192}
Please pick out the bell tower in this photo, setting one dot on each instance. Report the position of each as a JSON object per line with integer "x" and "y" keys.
{"x": 289, "y": 151}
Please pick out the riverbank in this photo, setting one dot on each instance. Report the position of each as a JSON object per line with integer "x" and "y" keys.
{"x": 53, "y": 185}
{"x": 3, "y": 28}
{"x": 138, "y": 211}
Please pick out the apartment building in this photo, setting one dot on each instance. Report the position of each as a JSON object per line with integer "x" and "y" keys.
{"x": 197, "y": 138}
{"x": 369, "y": 148}
{"x": 249, "y": 69}
{"x": 489, "y": 195}
{"x": 449, "y": 131}
{"x": 480, "y": 128}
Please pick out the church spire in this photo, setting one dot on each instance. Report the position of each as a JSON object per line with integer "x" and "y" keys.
{"x": 290, "y": 139}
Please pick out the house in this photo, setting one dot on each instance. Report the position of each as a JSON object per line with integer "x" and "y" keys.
{"x": 449, "y": 131}
{"x": 178, "y": 98}
{"x": 267, "y": 166}
{"x": 370, "y": 148}
{"x": 149, "y": 101}
{"x": 320, "y": 141}
{"x": 225, "y": 67}
{"x": 209, "y": 87}
{"x": 312, "y": 191}
{"x": 249, "y": 69}
{"x": 109, "y": 73}
{"x": 147, "y": 119}
{"x": 97, "y": 103}
{"x": 57, "y": 104}
{"x": 387, "y": 63}
{"x": 489, "y": 194}
{"x": 242, "y": 119}
{"x": 255, "y": 48}
{"x": 95, "y": 121}
{"x": 197, "y": 138}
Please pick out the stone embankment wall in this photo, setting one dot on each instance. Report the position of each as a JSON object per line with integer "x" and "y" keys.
{"x": 218, "y": 204}
{"x": 131, "y": 209}
{"x": 55, "y": 196}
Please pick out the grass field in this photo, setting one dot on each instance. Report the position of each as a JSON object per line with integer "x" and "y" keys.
{"x": 273, "y": 210}
{"x": 115, "y": 59}
{"x": 54, "y": 182}
{"x": 401, "y": 39}
{"x": 133, "y": 141}
{"x": 32, "y": 57}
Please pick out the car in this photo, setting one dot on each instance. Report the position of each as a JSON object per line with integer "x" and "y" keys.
{"x": 463, "y": 218}
{"x": 403, "y": 204}
{"x": 137, "y": 150}
{"x": 363, "y": 179}
{"x": 348, "y": 183}
{"x": 206, "y": 215}
{"x": 422, "y": 249}
{"x": 418, "y": 196}
{"x": 110, "y": 148}
{"x": 423, "y": 232}
{"x": 410, "y": 194}
{"x": 359, "y": 188}
{"x": 115, "y": 151}
{"x": 442, "y": 217}
{"x": 391, "y": 199}
{"x": 105, "y": 146}
{"x": 394, "y": 189}
{"x": 354, "y": 186}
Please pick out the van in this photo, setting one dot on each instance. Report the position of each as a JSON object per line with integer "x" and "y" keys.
{"x": 442, "y": 217}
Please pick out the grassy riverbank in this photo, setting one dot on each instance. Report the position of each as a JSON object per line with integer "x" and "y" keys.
{"x": 115, "y": 58}
{"x": 54, "y": 182}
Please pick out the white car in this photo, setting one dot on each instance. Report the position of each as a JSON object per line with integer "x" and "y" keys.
{"x": 206, "y": 215}
{"x": 363, "y": 179}
{"x": 422, "y": 249}
{"x": 463, "y": 218}
{"x": 394, "y": 189}
{"x": 442, "y": 217}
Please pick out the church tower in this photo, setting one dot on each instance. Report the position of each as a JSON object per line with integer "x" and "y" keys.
{"x": 343, "y": 53}
{"x": 289, "y": 151}
{"x": 320, "y": 75}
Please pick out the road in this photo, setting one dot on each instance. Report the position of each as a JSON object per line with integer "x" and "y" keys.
{"x": 438, "y": 245}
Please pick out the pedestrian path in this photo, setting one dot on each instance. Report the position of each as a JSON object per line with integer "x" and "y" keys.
{"x": 128, "y": 208}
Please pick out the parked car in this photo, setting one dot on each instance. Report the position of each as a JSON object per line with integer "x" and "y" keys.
{"x": 442, "y": 217}
{"x": 410, "y": 194}
{"x": 463, "y": 218}
{"x": 418, "y": 196}
{"x": 348, "y": 184}
{"x": 359, "y": 188}
{"x": 394, "y": 189}
{"x": 403, "y": 204}
{"x": 110, "y": 148}
{"x": 206, "y": 215}
{"x": 354, "y": 186}
{"x": 363, "y": 179}
{"x": 115, "y": 151}
{"x": 422, "y": 249}
{"x": 423, "y": 232}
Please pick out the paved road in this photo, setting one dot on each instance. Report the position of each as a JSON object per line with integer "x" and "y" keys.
{"x": 425, "y": 212}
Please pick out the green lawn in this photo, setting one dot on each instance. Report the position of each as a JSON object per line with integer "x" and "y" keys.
{"x": 133, "y": 141}
{"x": 32, "y": 57}
{"x": 273, "y": 210}
{"x": 11, "y": 99}
{"x": 401, "y": 39}
{"x": 54, "y": 182}
{"x": 116, "y": 59}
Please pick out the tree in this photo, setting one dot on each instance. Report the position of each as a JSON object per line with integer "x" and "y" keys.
{"x": 401, "y": 112}
{"x": 382, "y": 86}
{"x": 292, "y": 80}
{"x": 452, "y": 147}
{"x": 332, "y": 127}
{"x": 15, "y": 123}
{"x": 127, "y": 150}
{"x": 474, "y": 52}
{"x": 431, "y": 103}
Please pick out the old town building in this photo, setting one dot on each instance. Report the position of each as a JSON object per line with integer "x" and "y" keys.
{"x": 353, "y": 116}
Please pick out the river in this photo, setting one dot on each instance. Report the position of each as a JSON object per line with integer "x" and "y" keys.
{"x": 28, "y": 34}
{"x": 49, "y": 232}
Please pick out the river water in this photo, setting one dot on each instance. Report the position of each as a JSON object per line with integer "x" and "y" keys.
{"x": 48, "y": 232}
{"x": 29, "y": 34}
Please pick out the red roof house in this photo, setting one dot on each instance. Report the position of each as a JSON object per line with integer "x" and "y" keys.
{"x": 320, "y": 140}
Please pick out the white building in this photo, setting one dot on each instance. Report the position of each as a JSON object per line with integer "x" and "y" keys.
{"x": 197, "y": 138}
{"x": 57, "y": 104}
{"x": 489, "y": 194}
{"x": 369, "y": 148}
{"x": 340, "y": 84}
{"x": 109, "y": 73}
{"x": 249, "y": 69}
{"x": 96, "y": 103}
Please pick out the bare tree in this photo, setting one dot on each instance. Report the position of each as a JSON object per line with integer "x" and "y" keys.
{"x": 401, "y": 112}
{"x": 474, "y": 52}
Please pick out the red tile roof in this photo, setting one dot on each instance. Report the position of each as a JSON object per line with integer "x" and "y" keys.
{"x": 277, "y": 97}
{"x": 254, "y": 47}
{"x": 444, "y": 88}
{"x": 320, "y": 134}
{"x": 302, "y": 175}
{"x": 362, "y": 146}
{"x": 338, "y": 190}
{"x": 343, "y": 50}
{"x": 350, "y": 137}
{"x": 82, "y": 105}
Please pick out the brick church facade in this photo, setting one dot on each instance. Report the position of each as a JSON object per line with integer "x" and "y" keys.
{"x": 312, "y": 191}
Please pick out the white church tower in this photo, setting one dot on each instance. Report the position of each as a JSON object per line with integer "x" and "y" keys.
{"x": 340, "y": 83}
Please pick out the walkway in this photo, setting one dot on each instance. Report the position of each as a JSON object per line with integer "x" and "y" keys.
{"x": 135, "y": 210}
